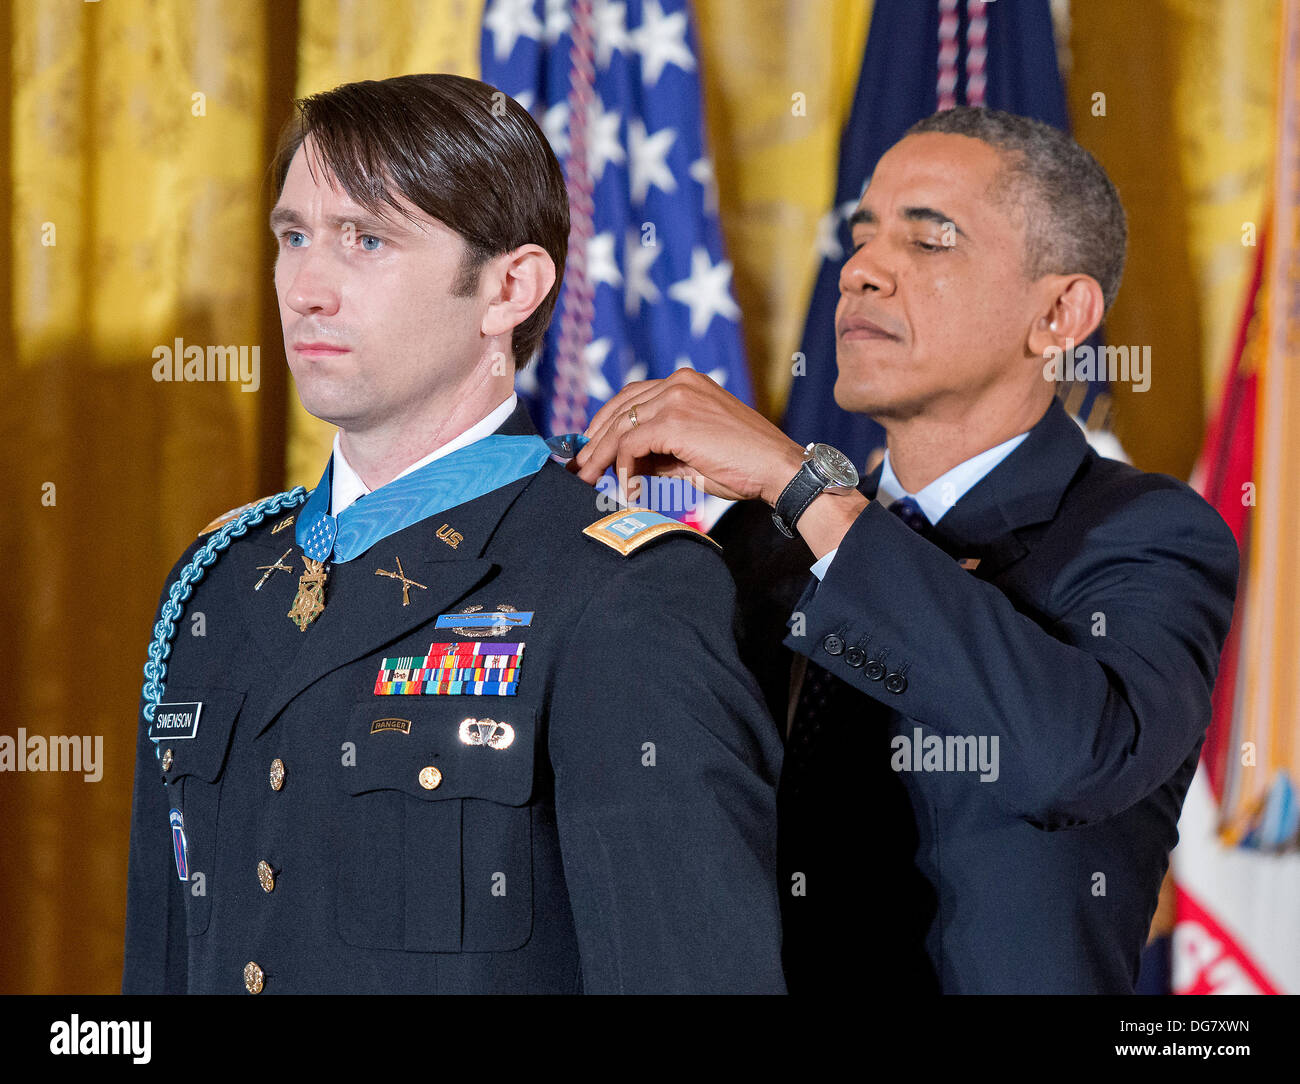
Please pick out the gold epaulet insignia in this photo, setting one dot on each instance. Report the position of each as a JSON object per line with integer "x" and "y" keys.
{"x": 226, "y": 517}
{"x": 631, "y": 528}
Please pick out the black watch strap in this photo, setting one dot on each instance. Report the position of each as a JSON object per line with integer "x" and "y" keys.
{"x": 801, "y": 491}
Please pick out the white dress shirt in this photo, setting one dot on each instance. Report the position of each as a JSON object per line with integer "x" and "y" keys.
{"x": 348, "y": 485}
{"x": 941, "y": 494}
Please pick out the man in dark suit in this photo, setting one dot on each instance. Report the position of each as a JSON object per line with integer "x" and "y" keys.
{"x": 351, "y": 776}
{"x": 1001, "y": 688}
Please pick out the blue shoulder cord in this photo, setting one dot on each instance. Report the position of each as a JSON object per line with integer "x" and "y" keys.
{"x": 155, "y": 670}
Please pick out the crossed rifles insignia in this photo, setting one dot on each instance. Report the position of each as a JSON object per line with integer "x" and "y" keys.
{"x": 400, "y": 574}
{"x": 486, "y": 732}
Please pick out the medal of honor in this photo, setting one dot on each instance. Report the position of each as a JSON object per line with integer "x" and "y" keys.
{"x": 309, "y": 602}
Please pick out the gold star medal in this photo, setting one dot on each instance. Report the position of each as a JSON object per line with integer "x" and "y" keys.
{"x": 309, "y": 602}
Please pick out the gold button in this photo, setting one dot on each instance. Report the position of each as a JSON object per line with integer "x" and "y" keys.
{"x": 167, "y": 760}
{"x": 430, "y": 777}
{"x": 266, "y": 875}
{"x": 277, "y": 773}
{"x": 253, "y": 978}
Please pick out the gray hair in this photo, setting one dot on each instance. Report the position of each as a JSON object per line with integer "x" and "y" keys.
{"x": 1074, "y": 222}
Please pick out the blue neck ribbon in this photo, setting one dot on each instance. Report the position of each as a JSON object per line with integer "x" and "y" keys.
{"x": 465, "y": 474}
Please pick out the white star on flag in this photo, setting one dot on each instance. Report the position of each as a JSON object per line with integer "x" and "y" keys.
{"x": 611, "y": 30}
{"x": 593, "y": 361}
{"x": 637, "y": 259}
{"x": 601, "y": 264}
{"x": 557, "y": 20}
{"x": 661, "y": 40}
{"x": 648, "y": 154}
{"x": 555, "y": 123}
{"x": 603, "y": 144}
{"x": 706, "y": 292}
{"x": 510, "y": 20}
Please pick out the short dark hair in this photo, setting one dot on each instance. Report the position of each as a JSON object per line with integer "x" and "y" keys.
{"x": 1074, "y": 221}
{"x": 461, "y": 151}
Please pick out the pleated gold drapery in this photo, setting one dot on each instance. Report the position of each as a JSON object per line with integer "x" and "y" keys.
{"x": 135, "y": 136}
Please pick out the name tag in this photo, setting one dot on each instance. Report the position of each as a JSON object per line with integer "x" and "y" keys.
{"x": 172, "y": 721}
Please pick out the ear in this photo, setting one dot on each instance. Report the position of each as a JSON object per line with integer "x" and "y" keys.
{"x": 1072, "y": 309}
{"x": 518, "y": 282}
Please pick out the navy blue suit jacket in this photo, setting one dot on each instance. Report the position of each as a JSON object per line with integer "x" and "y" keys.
{"x": 1085, "y": 643}
{"x": 623, "y": 841}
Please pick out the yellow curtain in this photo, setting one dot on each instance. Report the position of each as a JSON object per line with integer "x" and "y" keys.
{"x": 133, "y": 165}
{"x": 1176, "y": 100}
{"x": 778, "y": 81}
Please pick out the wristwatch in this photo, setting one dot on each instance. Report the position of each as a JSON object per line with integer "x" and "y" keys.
{"x": 824, "y": 468}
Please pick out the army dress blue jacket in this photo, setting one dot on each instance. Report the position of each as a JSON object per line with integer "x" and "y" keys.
{"x": 609, "y": 827}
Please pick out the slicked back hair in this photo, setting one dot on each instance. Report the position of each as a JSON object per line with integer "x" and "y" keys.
{"x": 1074, "y": 221}
{"x": 461, "y": 151}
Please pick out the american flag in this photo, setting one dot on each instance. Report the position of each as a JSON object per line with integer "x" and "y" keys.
{"x": 647, "y": 290}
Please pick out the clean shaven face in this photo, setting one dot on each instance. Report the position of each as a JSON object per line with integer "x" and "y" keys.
{"x": 373, "y": 336}
{"x": 935, "y": 305}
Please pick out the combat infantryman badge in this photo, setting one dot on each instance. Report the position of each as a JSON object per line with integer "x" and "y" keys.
{"x": 309, "y": 602}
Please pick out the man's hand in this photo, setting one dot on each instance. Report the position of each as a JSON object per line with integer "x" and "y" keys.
{"x": 688, "y": 427}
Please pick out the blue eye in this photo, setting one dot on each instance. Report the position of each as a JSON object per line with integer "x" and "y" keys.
{"x": 291, "y": 234}
{"x": 365, "y": 237}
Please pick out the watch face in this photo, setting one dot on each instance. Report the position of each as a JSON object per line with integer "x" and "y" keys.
{"x": 835, "y": 465}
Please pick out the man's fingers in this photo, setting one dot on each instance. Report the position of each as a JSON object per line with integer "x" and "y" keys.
{"x": 607, "y": 432}
{"x": 619, "y": 403}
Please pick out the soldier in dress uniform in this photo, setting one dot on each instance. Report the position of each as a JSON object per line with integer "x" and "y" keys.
{"x": 453, "y": 726}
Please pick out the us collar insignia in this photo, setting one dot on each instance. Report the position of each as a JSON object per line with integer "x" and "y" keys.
{"x": 453, "y": 669}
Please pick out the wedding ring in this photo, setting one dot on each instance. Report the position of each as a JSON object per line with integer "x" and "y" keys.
{"x": 631, "y": 414}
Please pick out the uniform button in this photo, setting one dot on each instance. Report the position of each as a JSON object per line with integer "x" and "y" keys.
{"x": 266, "y": 875}
{"x": 430, "y": 777}
{"x": 896, "y": 683}
{"x": 277, "y": 773}
{"x": 875, "y": 670}
{"x": 855, "y": 657}
{"x": 253, "y": 978}
{"x": 167, "y": 760}
{"x": 833, "y": 645}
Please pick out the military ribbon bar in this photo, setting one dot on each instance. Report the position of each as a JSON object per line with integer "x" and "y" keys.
{"x": 467, "y": 668}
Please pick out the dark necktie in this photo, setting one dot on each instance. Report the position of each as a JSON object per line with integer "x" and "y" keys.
{"x": 819, "y": 686}
{"x": 906, "y": 509}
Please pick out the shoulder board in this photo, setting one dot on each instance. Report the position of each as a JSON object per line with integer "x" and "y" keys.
{"x": 630, "y": 529}
{"x": 226, "y": 517}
